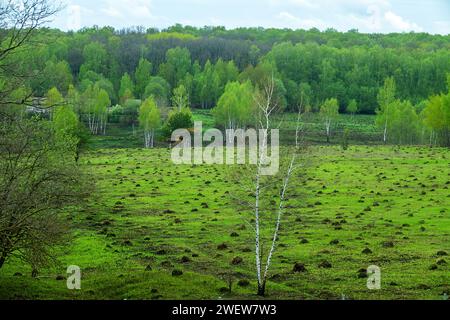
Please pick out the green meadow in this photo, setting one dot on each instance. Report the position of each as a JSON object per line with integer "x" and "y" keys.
{"x": 93, "y": 205}
{"x": 154, "y": 230}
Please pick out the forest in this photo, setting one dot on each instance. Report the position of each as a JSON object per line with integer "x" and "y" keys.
{"x": 131, "y": 65}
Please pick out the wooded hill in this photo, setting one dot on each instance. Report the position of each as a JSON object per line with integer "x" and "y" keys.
{"x": 347, "y": 66}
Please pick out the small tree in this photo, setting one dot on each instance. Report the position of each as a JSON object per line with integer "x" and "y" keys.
{"x": 352, "y": 107}
{"x": 180, "y": 98}
{"x": 345, "y": 138}
{"x": 65, "y": 122}
{"x": 329, "y": 112}
{"x": 178, "y": 120}
{"x": 149, "y": 120}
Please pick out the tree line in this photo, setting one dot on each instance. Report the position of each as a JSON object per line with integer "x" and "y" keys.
{"x": 347, "y": 66}
{"x": 106, "y": 76}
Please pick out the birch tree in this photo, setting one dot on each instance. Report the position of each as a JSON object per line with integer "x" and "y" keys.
{"x": 352, "y": 107}
{"x": 329, "y": 112}
{"x": 267, "y": 213}
{"x": 101, "y": 111}
{"x": 95, "y": 108}
{"x": 404, "y": 125}
{"x": 73, "y": 100}
{"x": 180, "y": 99}
{"x": 236, "y": 107}
{"x": 267, "y": 106}
{"x": 386, "y": 97}
{"x": 437, "y": 118}
{"x": 149, "y": 120}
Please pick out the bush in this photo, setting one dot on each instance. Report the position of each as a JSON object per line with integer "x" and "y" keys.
{"x": 130, "y": 112}
{"x": 178, "y": 120}
{"x": 345, "y": 138}
{"x": 115, "y": 113}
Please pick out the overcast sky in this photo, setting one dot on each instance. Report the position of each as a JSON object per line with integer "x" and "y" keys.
{"x": 432, "y": 16}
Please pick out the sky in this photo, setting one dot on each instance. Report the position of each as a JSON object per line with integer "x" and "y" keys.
{"x": 369, "y": 16}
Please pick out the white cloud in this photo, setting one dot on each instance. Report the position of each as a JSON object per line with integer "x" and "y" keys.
{"x": 399, "y": 23}
{"x": 298, "y": 23}
{"x": 378, "y": 17}
{"x": 112, "y": 12}
{"x": 128, "y": 9}
{"x": 365, "y": 15}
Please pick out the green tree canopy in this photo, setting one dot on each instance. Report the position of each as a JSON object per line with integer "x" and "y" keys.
{"x": 159, "y": 89}
{"x": 178, "y": 120}
{"x": 236, "y": 107}
{"x": 126, "y": 90}
{"x": 437, "y": 117}
{"x": 178, "y": 64}
{"x": 352, "y": 107}
{"x": 142, "y": 76}
{"x": 180, "y": 99}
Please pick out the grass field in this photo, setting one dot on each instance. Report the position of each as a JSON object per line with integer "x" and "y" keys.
{"x": 381, "y": 206}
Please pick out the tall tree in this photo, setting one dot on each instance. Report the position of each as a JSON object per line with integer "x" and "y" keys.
{"x": 209, "y": 86}
{"x": 95, "y": 59}
{"x": 74, "y": 100}
{"x": 268, "y": 207}
{"x": 53, "y": 99}
{"x": 19, "y": 22}
{"x": 178, "y": 64}
{"x": 126, "y": 90}
{"x": 159, "y": 88}
{"x": 142, "y": 76}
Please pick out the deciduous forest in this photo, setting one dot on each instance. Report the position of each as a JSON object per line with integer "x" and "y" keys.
{"x": 87, "y": 180}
